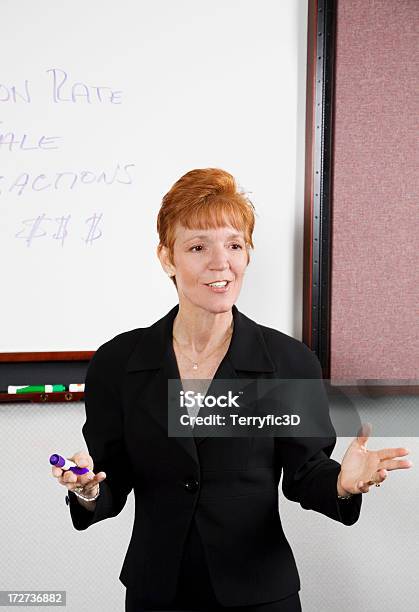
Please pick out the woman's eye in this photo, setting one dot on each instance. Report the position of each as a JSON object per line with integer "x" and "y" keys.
{"x": 200, "y": 246}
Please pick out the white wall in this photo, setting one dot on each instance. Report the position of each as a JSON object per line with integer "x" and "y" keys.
{"x": 367, "y": 567}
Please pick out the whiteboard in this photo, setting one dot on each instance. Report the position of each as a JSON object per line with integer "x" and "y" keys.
{"x": 104, "y": 105}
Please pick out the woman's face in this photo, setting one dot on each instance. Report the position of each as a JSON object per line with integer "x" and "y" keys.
{"x": 204, "y": 256}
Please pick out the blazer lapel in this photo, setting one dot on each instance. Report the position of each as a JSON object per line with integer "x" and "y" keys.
{"x": 247, "y": 352}
{"x": 154, "y": 355}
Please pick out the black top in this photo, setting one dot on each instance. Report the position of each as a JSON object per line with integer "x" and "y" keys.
{"x": 227, "y": 486}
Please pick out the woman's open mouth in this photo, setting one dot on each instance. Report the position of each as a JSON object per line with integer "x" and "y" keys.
{"x": 219, "y": 287}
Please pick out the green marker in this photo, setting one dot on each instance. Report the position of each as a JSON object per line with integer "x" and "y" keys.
{"x": 35, "y": 389}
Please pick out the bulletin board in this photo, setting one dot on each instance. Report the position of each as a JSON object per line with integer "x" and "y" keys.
{"x": 361, "y": 293}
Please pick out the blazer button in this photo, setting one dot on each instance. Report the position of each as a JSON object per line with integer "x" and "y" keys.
{"x": 67, "y": 501}
{"x": 191, "y": 485}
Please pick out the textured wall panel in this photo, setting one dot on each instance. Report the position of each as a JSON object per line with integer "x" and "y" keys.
{"x": 375, "y": 250}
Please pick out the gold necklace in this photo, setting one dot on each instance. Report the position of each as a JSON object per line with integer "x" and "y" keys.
{"x": 195, "y": 365}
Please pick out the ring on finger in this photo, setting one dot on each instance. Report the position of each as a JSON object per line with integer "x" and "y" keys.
{"x": 373, "y": 481}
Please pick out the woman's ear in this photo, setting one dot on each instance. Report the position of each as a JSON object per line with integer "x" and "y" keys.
{"x": 163, "y": 255}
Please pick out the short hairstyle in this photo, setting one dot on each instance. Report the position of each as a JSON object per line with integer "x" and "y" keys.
{"x": 203, "y": 199}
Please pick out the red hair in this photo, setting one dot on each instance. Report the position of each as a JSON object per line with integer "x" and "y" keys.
{"x": 205, "y": 198}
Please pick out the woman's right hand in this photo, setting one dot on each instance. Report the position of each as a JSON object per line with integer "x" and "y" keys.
{"x": 89, "y": 481}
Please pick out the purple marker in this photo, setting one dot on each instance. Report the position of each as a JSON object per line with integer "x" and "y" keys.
{"x": 66, "y": 464}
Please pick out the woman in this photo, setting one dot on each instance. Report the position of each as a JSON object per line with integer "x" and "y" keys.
{"x": 207, "y": 533}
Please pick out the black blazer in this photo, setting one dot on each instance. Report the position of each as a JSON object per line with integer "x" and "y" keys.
{"x": 228, "y": 486}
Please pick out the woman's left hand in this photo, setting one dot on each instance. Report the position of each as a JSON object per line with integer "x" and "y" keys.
{"x": 362, "y": 468}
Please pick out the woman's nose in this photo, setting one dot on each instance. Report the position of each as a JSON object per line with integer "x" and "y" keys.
{"x": 219, "y": 260}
